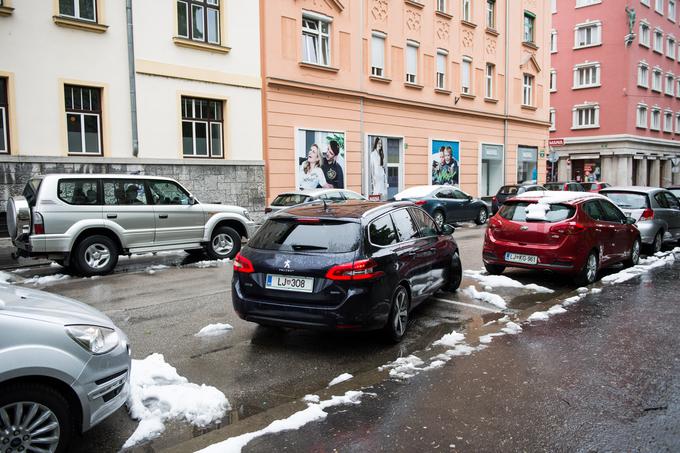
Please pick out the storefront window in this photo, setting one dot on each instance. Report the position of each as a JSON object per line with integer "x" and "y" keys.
{"x": 527, "y": 164}
{"x": 587, "y": 170}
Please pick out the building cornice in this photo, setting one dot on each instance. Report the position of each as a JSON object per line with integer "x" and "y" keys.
{"x": 155, "y": 68}
{"x": 620, "y": 138}
{"x": 125, "y": 161}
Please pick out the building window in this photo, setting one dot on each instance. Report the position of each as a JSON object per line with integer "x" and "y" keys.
{"x": 489, "y": 79}
{"x": 467, "y": 11}
{"x": 199, "y": 20}
{"x": 677, "y": 123}
{"x": 643, "y": 75}
{"x": 553, "y": 80}
{"x": 441, "y": 69}
{"x": 668, "y": 121}
{"x": 670, "y": 84}
{"x": 658, "y": 41}
{"x": 580, "y": 3}
{"x": 441, "y": 6}
{"x": 411, "y": 62}
{"x": 378, "y": 55}
{"x": 641, "y": 116}
{"x": 586, "y": 116}
{"x": 529, "y": 27}
{"x": 677, "y": 87}
{"x": 587, "y": 35}
{"x": 553, "y": 6}
{"x": 553, "y": 126}
{"x": 656, "y": 80}
{"x": 79, "y": 9}
{"x": 644, "y": 34}
{"x": 466, "y": 76}
{"x": 553, "y": 41}
{"x": 83, "y": 119}
{"x": 587, "y": 75}
{"x": 671, "y": 10}
{"x": 201, "y": 127}
{"x": 528, "y": 90}
{"x": 316, "y": 41}
{"x": 670, "y": 47}
{"x": 645, "y": 2}
{"x": 491, "y": 14}
{"x": 658, "y": 6}
{"x": 4, "y": 123}
{"x": 656, "y": 120}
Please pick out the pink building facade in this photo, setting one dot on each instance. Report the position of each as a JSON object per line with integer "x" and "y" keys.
{"x": 615, "y": 91}
{"x": 405, "y": 93}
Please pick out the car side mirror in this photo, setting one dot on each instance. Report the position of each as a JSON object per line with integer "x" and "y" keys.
{"x": 630, "y": 221}
{"x": 448, "y": 230}
{"x": 192, "y": 200}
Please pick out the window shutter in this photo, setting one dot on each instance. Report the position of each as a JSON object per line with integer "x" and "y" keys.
{"x": 411, "y": 59}
{"x": 378, "y": 52}
{"x": 441, "y": 63}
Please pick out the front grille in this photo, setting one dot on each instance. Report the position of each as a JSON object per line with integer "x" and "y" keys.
{"x": 109, "y": 378}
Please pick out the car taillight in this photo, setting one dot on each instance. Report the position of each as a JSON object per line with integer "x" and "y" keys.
{"x": 567, "y": 228}
{"x": 38, "y": 225}
{"x": 648, "y": 214}
{"x": 243, "y": 265}
{"x": 308, "y": 220}
{"x": 494, "y": 199}
{"x": 420, "y": 202}
{"x": 357, "y": 270}
{"x": 495, "y": 224}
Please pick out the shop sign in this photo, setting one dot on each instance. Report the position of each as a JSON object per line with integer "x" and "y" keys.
{"x": 555, "y": 142}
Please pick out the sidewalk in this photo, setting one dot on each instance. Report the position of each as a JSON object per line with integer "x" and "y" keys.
{"x": 6, "y": 260}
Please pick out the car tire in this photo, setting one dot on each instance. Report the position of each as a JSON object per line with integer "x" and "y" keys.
{"x": 439, "y": 218}
{"x": 225, "y": 243}
{"x": 482, "y": 216}
{"x": 397, "y": 323}
{"x": 455, "y": 272}
{"x": 494, "y": 269}
{"x": 95, "y": 255}
{"x": 47, "y": 402}
{"x": 588, "y": 274}
{"x": 634, "y": 257}
{"x": 655, "y": 246}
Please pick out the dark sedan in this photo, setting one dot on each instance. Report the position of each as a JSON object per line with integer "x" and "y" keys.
{"x": 510, "y": 191}
{"x": 353, "y": 265}
{"x": 446, "y": 204}
{"x": 571, "y": 186}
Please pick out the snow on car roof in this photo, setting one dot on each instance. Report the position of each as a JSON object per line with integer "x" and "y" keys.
{"x": 551, "y": 197}
{"x": 419, "y": 191}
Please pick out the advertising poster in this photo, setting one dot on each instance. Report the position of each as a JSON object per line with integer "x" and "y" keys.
{"x": 445, "y": 163}
{"x": 377, "y": 168}
{"x": 320, "y": 159}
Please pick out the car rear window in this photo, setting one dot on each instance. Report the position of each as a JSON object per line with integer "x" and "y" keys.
{"x": 31, "y": 191}
{"x": 556, "y": 186}
{"x": 508, "y": 190}
{"x": 290, "y": 199}
{"x": 627, "y": 200}
{"x": 517, "y": 212}
{"x": 589, "y": 185}
{"x": 294, "y": 235}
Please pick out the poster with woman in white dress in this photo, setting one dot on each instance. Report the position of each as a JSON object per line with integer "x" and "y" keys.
{"x": 378, "y": 169}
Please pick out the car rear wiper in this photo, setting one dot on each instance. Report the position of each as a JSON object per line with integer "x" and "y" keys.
{"x": 308, "y": 247}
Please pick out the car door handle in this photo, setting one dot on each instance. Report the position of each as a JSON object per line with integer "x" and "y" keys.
{"x": 162, "y": 216}
{"x": 412, "y": 253}
{"x": 111, "y": 216}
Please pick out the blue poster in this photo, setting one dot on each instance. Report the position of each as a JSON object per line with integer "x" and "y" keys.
{"x": 445, "y": 163}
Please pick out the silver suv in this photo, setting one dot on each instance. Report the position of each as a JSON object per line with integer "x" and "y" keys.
{"x": 84, "y": 222}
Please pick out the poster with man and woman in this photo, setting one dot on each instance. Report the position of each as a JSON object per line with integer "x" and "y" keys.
{"x": 445, "y": 163}
{"x": 320, "y": 158}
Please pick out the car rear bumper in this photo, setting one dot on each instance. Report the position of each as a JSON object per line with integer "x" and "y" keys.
{"x": 561, "y": 259}
{"x": 648, "y": 230}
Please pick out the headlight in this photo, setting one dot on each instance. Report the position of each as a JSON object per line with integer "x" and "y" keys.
{"x": 95, "y": 339}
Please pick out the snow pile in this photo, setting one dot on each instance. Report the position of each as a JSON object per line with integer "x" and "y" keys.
{"x": 572, "y": 300}
{"x": 158, "y": 394}
{"x": 404, "y": 367}
{"x": 488, "y": 338}
{"x": 313, "y": 412}
{"x": 556, "y": 310}
{"x": 208, "y": 263}
{"x": 647, "y": 264}
{"x": 501, "y": 281}
{"x": 156, "y": 267}
{"x": 342, "y": 378}
{"x": 450, "y": 339}
{"x": 493, "y": 299}
{"x": 512, "y": 329}
{"x": 213, "y": 330}
{"x": 46, "y": 280}
{"x": 539, "y": 316}
{"x": 5, "y": 277}
{"x": 2, "y": 304}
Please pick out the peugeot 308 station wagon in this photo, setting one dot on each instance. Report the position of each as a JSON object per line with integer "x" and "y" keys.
{"x": 353, "y": 265}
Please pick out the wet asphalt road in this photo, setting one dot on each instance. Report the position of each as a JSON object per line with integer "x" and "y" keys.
{"x": 605, "y": 376}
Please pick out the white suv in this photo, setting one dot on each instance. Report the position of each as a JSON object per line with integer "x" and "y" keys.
{"x": 85, "y": 222}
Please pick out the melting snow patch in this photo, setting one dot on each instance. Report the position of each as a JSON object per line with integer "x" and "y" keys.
{"x": 539, "y": 316}
{"x": 46, "y": 280}
{"x": 208, "y": 263}
{"x": 404, "y": 367}
{"x": 511, "y": 328}
{"x": 596, "y": 290}
{"x": 311, "y": 399}
{"x": 658, "y": 260}
{"x": 582, "y": 290}
{"x": 5, "y": 277}
{"x": 572, "y": 300}
{"x": 493, "y": 299}
{"x": 436, "y": 364}
{"x": 342, "y": 378}
{"x": 213, "y": 330}
{"x": 501, "y": 281}
{"x": 313, "y": 412}
{"x": 488, "y": 338}
{"x": 156, "y": 267}
{"x": 450, "y": 339}
{"x": 158, "y": 394}
{"x": 556, "y": 310}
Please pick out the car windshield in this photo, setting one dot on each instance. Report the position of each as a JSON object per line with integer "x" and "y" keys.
{"x": 294, "y": 235}
{"x": 554, "y": 186}
{"x": 517, "y": 212}
{"x": 289, "y": 199}
{"x": 415, "y": 192}
{"x": 628, "y": 200}
{"x": 508, "y": 190}
{"x": 675, "y": 192}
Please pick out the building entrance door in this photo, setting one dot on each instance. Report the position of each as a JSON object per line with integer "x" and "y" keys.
{"x": 492, "y": 170}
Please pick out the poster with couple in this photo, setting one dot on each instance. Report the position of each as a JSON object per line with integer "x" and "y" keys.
{"x": 320, "y": 159}
{"x": 445, "y": 163}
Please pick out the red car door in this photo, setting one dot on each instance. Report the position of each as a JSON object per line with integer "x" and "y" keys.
{"x": 623, "y": 240}
{"x": 604, "y": 231}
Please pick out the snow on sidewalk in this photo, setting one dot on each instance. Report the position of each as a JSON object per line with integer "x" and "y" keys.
{"x": 213, "y": 330}
{"x": 659, "y": 259}
{"x": 158, "y": 394}
{"x": 342, "y": 378}
{"x": 491, "y": 298}
{"x": 501, "y": 281}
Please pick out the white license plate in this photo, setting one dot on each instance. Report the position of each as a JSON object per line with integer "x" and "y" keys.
{"x": 290, "y": 283}
{"x": 523, "y": 259}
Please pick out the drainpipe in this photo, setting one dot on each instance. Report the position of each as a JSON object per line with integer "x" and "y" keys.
{"x": 133, "y": 81}
{"x": 365, "y": 186}
{"x": 507, "y": 84}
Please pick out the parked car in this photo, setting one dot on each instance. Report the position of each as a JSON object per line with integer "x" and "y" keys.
{"x": 565, "y": 186}
{"x": 595, "y": 186}
{"x": 657, "y": 212}
{"x": 349, "y": 266}
{"x": 510, "y": 191}
{"x": 296, "y": 197}
{"x": 446, "y": 204}
{"x": 86, "y": 221}
{"x": 675, "y": 190}
{"x": 576, "y": 234}
{"x": 64, "y": 368}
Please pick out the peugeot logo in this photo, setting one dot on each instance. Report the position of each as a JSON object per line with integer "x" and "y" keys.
{"x": 524, "y": 228}
{"x": 286, "y": 264}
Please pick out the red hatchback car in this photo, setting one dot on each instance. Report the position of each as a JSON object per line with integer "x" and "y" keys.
{"x": 573, "y": 233}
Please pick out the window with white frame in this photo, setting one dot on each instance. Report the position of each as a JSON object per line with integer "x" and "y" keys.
{"x": 553, "y": 117}
{"x": 378, "y": 54}
{"x": 645, "y": 2}
{"x": 466, "y": 76}
{"x": 644, "y": 34}
{"x": 587, "y": 75}
{"x": 658, "y": 6}
{"x": 489, "y": 76}
{"x": 656, "y": 80}
{"x": 553, "y": 80}
{"x": 677, "y": 123}
{"x": 528, "y": 90}
{"x": 641, "y": 120}
{"x": 529, "y": 27}
{"x": 466, "y": 10}
{"x": 441, "y": 69}
{"x": 580, "y": 3}
{"x": 658, "y": 41}
{"x": 668, "y": 121}
{"x": 643, "y": 75}
{"x": 588, "y": 34}
{"x": 83, "y": 119}
{"x": 491, "y": 14}
{"x": 671, "y": 10}
{"x": 199, "y": 20}
{"x": 316, "y": 40}
{"x": 670, "y": 47}
{"x": 677, "y": 87}
{"x": 441, "y": 6}
{"x": 586, "y": 116}
{"x": 553, "y": 41}
{"x": 411, "y": 62}
{"x": 202, "y": 126}
{"x": 4, "y": 124}
{"x": 670, "y": 84}
{"x": 79, "y": 9}
{"x": 553, "y": 6}
{"x": 655, "y": 122}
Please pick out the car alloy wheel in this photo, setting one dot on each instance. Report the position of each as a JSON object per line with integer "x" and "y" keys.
{"x": 635, "y": 253}
{"x": 482, "y": 217}
{"x": 28, "y": 426}
{"x": 456, "y": 272}
{"x": 97, "y": 256}
{"x": 658, "y": 241}
{"x": 222, "y": 244}
{"x": 439, "y": 219}
{"x": 591, "y": 268}
{"x": 400, "y": 312}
